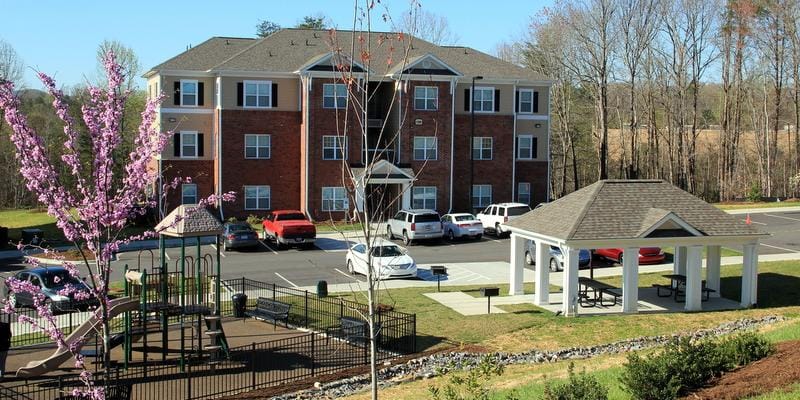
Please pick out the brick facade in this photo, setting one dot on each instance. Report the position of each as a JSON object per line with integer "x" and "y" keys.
{"x": 201, "y": 173}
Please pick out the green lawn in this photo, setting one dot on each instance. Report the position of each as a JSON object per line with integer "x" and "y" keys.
{"x": 724, "y": 252}
{"x": 738, "y": 206}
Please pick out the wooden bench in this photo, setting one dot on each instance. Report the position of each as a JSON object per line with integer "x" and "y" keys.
{"x": 268, "y": 309}
{"x": 352, "y": 330}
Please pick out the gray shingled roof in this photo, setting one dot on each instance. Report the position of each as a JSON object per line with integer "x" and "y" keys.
{"x": 192, "y": 221}
{"x": 289, "y": 49}
{"x": 625, "y": 209}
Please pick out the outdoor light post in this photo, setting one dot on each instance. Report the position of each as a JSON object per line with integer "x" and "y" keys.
{"x": 472, "y": 138}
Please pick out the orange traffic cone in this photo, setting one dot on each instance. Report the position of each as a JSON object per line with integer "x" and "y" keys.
{"x": 747, "y": 220}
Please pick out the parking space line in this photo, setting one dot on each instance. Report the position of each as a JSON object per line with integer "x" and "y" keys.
{"x": 268, "y": 248}
{"x": 284, "y": 278}
{"x": 348, "y": 275}
{"x": 781, "y": 216}
{"x": 215, "y": 248}
{"x": 780, "y": 248}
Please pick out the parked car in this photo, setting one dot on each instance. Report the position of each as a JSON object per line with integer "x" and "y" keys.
{"x": 388, "y": 260}
{"x": 647, "y": 255}
{"x": 415, "y": 224}
{"x": 237, "y": 235}
{"x": 461, "y": 225}
{"x": 556, "y": 262}
{"x": 288, "y": 227}
{"x": 51, "y": 281}
{"x": 494, "y": 216}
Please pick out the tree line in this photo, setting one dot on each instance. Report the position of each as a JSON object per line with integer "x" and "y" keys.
{"x": 702, "y": 93}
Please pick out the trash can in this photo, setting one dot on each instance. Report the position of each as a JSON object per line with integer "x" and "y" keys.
{"x": 239, "y": 304}
{"x": 32, "y": 236}
{"x": 322, "y": 289}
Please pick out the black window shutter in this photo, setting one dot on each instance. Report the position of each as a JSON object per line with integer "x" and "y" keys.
{"x": 199, "y": 144}
{"x": 497, "y": 100}
{"x": 240, "y": 94}
{"x": 176, "y": 94}
{"x": 516, "y": 101}
{"x": 536, "y": 102}
{"x": 200, "y": 93}
{"x": 534, "y": 145}
{"x": 274, "y": 94}
{"x": 466, "y": 99}
{"x": 176, "y": 139}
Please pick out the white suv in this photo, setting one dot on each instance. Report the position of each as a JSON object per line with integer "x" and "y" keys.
{"x": 495, "y": 215}
{"x": 414, "y": 225}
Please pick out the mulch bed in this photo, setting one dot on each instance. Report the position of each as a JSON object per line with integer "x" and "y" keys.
{"x": 778, "y": 371}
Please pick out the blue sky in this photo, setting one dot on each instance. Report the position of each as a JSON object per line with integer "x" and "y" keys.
{"x": 61, "y": 37}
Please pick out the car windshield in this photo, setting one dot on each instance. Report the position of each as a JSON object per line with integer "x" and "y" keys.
{"x": 465, "y": 217}
{"x": 519, "y": 210}
{"x": 289, "y": 217}
{"x": 427, "y": 218}
{"x": 386, "y": 251}
{"x": 58, "y": 278}
{"x": 239, "y": 228}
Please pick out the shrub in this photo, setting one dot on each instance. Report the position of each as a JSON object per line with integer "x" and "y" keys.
{"x": 232, "y": 220}
{"x": 744, "y": 349}
{"x": 650, "y": 379}
{"x": 470, "y": 385}
{"x": 754, "y": 193}
{"x": 254, "y": 219}
{"x": 579, "y": 387}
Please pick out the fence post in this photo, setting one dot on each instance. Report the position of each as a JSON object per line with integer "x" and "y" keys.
{"x": 313, "y": 352}
{"x": 273, "y": 291}
{"x": 188, "y": 380}
{"x": 60, "y": 384}
{"x": 253, "y": 366}
{"x": 306, "y": 309}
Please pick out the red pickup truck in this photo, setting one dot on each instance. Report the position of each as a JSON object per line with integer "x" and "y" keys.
{"x": 289, "y": 227}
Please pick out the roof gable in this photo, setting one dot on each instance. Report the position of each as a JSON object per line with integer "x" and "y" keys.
{"x": 189, "y": 221}
{"x": 427, "y": 64}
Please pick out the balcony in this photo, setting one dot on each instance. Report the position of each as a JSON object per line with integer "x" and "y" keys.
{"x": 372, "y": 155}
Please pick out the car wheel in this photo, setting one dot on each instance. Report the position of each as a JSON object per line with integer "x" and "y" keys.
{"x": 224, "y": 247}
{"x": 553, "y": 265}
{"x": 479, "y": 237}
{"x": 389, "y": 233}
{"x": 620, "y": 259}
{"x": 528, "y": 258}
{"x": 308, "y": 246}
{"x": 497, "y": 231}
{"x": 450, "y": 235}
{"x": 406, "y": 240}
{"x": 350, "y": 268}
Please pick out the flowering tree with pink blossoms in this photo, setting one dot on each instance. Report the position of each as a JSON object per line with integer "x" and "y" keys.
{"x": 90, "y": 204}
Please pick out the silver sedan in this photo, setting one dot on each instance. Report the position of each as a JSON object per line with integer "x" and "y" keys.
{"x": 461, "y": 225}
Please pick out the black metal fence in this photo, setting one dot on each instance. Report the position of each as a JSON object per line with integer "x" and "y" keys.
{"x": 259, "y": 365}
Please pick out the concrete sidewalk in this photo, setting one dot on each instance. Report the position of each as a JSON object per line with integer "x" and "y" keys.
{"x": 151, "y": 244}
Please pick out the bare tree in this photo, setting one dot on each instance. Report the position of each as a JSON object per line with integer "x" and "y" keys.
{"x": 11, "y": 65}
{"x": 510, "y": 52}
{"x": 126, "y": 57}
{"x": 427, "y": 26}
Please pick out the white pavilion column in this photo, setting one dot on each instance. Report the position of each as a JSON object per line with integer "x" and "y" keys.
{"x": 713, "y": 260}
{"x": 516, "y": 267}
{"x": 694, "y": 261}
{"x": 750, "y": 275}
{"x": 360, "y": 190}
{"x": 679, "y": 260}
{"x": 630, "y": 281}
{"x": 406, "y": 198}
{"x": 570, "y": 285}
{"x": 542, "y": 289}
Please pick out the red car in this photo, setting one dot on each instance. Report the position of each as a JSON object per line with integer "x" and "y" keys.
{"x": 288, "y": 227}
{"x": 647, "y": 255}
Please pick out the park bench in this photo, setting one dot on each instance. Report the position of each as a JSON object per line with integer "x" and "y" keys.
{"x": 268, "y": 309}
{"x": 599, "y": 290}
{"x": 352, "y": 330}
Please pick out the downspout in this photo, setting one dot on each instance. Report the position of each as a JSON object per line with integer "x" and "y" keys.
{"x": 547, "y": 191}
{"x": 306, "y": 123}
{"x": 219, "y": 146}
{"x": 452, "y": 137}
{"x": 514, "y": 145}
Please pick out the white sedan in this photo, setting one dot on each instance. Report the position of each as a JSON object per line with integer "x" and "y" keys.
{"x": 388, "y": 260}
{"x": 461, "y": 225}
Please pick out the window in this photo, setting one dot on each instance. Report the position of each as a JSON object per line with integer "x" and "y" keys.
{"x": 334, "y": 147}
{"x": 334, "y": 199}
{"x": 257, "y": 146}
{"x": 526, "y": 101}
{"x": 188, "y": 92}
{"x": 482, "y": 148}
{"x": 334, "y": 95}
{"x": 525, "y": 147}
{"x": 524, "y": 193}
{"x": 424, "y": 148}
{"x": 424, "y": 197}
{"x": 483, "y": 100}
{"x": 189, "y": 193}
{"x": 481, "y": 195}
{"x": 256, "y": 198}
{"x": 426, "y": 98}
{"x": 189, "y": 144}
{"x": 257, "y": 93}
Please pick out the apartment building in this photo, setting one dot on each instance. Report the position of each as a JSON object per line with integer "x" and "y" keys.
{"x": 270, "y": 119}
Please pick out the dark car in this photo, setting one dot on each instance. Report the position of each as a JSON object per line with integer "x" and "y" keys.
{"x": 53, "y": 280}
{"x": 238, "y": 235}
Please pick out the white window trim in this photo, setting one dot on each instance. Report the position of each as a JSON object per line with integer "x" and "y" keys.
{"x": 491, "y": 148}
{"x": 425, "y": 189}
{"x": 520, "y": 101}
{"x": 196, "y": 92}
{"x": 472, "y": 99}
{"x": 489, "y": 201}
{"x": 257, "y": 147}
{"x": 533, "y": 156}
{"x": 183, "y": 196}
{"x": 196, "y": 143}
{"x": 519, "y": 192}
{"x": 425, "y": 149}
{"x": 339, "y": 155}
{"x": 258, "y": 192}
{"x": 426, "y": 98}
{"x": 334, "y": 199}
{"x": 244, "y": 93}
{"x": 336, "y": 105}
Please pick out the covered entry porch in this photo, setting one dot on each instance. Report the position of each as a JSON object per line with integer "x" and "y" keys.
{"x": 383, "y": 190}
